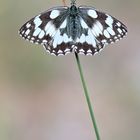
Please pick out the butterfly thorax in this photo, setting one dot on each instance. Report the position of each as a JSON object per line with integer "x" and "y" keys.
{"x": 74, "y": 28}
{"x": 73, "y": 10}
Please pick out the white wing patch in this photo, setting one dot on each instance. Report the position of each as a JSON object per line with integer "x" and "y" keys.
{"x": 36, "y": 32}
{"x": 92, "y": 38}
{"x": 57, "y": 39}
{"x": 37, "y": 22}
{"x": 110, "y": 30}
{"x": 54, "y": 14}
{"x": 64, "y": 24}
{"x": 109, "y": 21}
{"x": 83, "y": 24}
{"x": 97, "y": 29}
{"x": 106, "y": 34}
{"x": 50, "y": 29}
{"x": 41, "y": 35}
{"x": 92, "y": 13}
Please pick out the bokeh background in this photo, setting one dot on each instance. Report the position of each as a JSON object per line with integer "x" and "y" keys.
{"x": 41, "y": 96}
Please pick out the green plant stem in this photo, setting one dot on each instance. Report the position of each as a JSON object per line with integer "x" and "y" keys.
{"x": 87, "y": 97}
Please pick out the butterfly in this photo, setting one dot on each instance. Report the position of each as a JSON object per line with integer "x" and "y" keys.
{"x": 84, "y": 30}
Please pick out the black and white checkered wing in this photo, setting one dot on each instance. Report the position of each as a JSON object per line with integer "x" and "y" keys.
{"x": 46, "y": 28}
{"x": 102, "y": 29}
{"x": 84, "y": 30}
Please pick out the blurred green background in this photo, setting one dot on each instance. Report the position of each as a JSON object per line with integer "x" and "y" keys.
{"x": 41, "y": 97}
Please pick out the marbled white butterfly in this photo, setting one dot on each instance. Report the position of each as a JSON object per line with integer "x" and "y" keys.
{"x": 82, "y": 29}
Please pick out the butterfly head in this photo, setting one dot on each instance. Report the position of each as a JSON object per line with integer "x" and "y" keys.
{"x": 73, "y": 10}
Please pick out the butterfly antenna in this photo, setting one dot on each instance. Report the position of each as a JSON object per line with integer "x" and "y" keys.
{"x": 73, "y": 2}
{"x": 64, "y": 2}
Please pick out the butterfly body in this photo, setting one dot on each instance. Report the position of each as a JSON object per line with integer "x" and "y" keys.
{"x": 73, "y": 19}
{"x": 82, "y": 29}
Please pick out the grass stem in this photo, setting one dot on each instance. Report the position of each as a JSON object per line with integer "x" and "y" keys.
{"x": 87, "y": 97}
